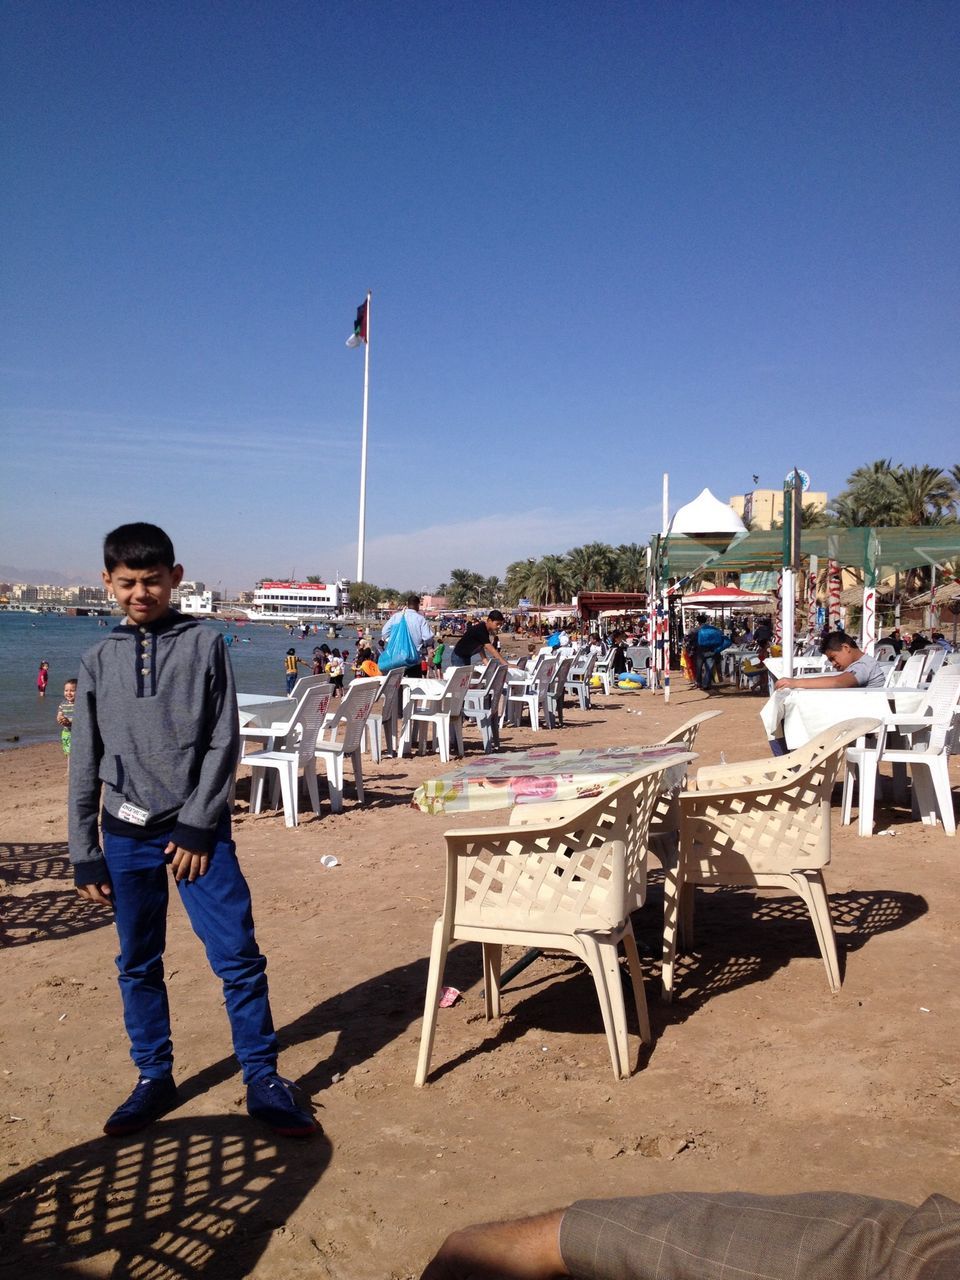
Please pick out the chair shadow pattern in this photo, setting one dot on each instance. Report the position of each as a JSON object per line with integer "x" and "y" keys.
{"x": 190, "y": 1198}
{"x": 47, "y": 914}
{"x": 557, "y": 992}
{"x": 746, "y": 938}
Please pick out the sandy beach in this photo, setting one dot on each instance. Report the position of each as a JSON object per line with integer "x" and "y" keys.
{"x": 758, "y": 1077}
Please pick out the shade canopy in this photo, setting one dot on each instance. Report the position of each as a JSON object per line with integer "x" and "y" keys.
{"x": 724, "y": 596}
{"x": 876, "y": 551}
{"x": 706, "y": 515}
{"x": 591, "y": 603}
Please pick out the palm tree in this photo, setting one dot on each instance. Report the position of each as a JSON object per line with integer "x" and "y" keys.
{"x": 590, "y": 566}
{"x": 870, "y": 494}
{"x": 517, "y": 580}
{"x": 550, "y": 581}
{"x": 364, "y": 596}
{"x": 955, "y": 477}
{"x": 923, "y": 495}
{"x": 491, "y": 592}
{"x": 631, "y": 567}
{"x": 463, "y": 589}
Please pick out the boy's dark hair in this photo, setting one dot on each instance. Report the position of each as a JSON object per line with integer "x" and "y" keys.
{"x": 495, "y": 615}
{"x": 70, "y": 680}
{"x": 138, "y": 546}
{"x": 836, "y": 640}
{"x": 289, "y": 651}
{"x": 413, "y": 602}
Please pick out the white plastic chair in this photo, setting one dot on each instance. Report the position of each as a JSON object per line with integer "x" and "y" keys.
{"x": 907, "y": 671}
{"x": 566, "y": 882}
{"x": 532, "y": 693}
{"x": 604, "y": 669}
{"x": 771, "y": 828}
{"x": 934, "y": 658}
{"x": 441, "y": 717}
{"x": 665, "y": 823}
{"x": 640, "y": 656}
{"x": 382, "y": 721}
{"x": 578, "y": 679}
{"x": 304, "y": 683}
{"x": 556, "y": 691}
{"x": 929, "y": 734}
{"x": 274, "y": 733}
{"x": 296, "y": 755}
{"x": 483, "y": 705}
{"x": 351, "y": 712}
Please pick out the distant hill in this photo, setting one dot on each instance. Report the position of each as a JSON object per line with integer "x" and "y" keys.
{"x": 16, "y": 573}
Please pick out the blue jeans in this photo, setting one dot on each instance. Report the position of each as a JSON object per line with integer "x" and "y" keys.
{"x": 218, "y": 906}
{"x": 705, "y": 664}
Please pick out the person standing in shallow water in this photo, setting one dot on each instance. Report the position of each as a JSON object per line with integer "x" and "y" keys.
{"x": 65, "y": 715}
{"x": 43, "y": 676}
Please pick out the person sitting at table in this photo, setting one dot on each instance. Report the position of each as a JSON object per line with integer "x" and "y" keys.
{"x": 855, "y": 669}
{"x": 894, "y": 640}
{"x": 477, "y": 640}
{"x": 619, "y": 662}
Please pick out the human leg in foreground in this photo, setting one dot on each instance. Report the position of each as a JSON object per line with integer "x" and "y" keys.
{"x": 689, "y": 1236}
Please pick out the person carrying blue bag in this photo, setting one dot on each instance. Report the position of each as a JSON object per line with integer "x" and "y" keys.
{"x": 710, "y": 643}
{"x": 409, "y": 639}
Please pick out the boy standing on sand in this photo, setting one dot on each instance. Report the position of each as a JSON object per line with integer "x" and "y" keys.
{"x": 156, "y": 738}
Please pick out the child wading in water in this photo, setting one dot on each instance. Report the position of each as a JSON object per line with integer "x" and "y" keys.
{"x": 155, "y": 745}
{"x": 335, "y": 671}
{"x": 65, "y": 714}
{"x": 43, "y": 675}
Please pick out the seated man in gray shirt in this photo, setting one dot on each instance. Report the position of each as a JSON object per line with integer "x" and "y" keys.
{"x": 826, "y": 1235}
{"x": 855, "y": 669}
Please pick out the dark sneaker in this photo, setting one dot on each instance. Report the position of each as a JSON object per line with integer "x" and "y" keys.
{"x": 271, "y": 1100}
{"x": 149, "y": 1101}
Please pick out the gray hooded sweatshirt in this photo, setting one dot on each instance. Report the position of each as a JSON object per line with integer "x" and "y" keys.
{"x": 155, "y": 736}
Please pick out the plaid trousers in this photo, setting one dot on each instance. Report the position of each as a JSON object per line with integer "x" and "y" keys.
{"x": 737, "y": 1236}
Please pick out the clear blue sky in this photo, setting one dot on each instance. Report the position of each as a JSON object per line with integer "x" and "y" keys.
{"x": 604, "y": 241}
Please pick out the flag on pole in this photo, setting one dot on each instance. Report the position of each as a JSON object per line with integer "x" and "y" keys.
{"x": 359, "y": 326}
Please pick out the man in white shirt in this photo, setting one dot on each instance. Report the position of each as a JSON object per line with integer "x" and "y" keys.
{"x": 419, "y": 628}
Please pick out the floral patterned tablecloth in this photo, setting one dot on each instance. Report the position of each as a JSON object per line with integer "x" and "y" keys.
{"x": 542, "y": 774}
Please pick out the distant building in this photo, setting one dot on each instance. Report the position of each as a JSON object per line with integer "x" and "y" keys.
{"x": 763, "y": 508}
{"x": 434, "y": 603}
{"x": 196, "y": 602}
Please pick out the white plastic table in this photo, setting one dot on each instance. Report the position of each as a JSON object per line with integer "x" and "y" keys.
{"x": 797, "y": 715}
{"x": 544, "y": 774}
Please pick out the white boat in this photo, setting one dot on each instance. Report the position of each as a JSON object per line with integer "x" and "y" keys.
{"x": 298, "y": 602}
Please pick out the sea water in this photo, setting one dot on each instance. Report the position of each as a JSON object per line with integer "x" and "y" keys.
{"x": 256, "y": 652}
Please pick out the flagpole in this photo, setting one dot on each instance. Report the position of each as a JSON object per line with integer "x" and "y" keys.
{"x": 363, "y": 446}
